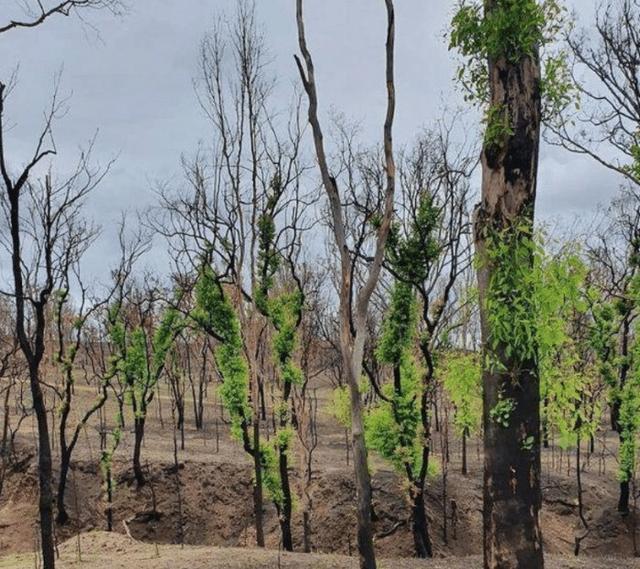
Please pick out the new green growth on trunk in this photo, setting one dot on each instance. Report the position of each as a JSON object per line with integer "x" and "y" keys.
{"x": 513, "y": 30}
{"x": 393, "y": 427}
{"x": 214, "y": 313}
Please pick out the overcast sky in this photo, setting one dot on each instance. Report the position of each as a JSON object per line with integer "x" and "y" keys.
{"x": 132, "y": 81}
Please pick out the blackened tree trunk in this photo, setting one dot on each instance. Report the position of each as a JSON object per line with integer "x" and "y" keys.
{"x": 504, "y": 222}
{"x": 257, "y": 485}
{"x": 198, "y": 395}
{"x": 287, "y": 506}
{"x": 138, "y": 428}
{"x": 419, "y": 525}
{"x": 465, "y": 434}
{"x": 109, "y": 484}
{"x": 67, "y": 446}
{"x": 30, "y": 330}
{"x": 62, "y": 517}
{"x": 422, "y": 540}
{"x": 623, "y": 498}
{"x": 285, "y": 509}
{"x": 45, "y": 502}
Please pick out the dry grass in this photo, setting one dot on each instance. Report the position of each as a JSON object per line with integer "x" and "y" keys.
{"x": 101, "y": 550}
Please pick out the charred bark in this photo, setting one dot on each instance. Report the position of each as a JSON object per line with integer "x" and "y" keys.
{"x": 138, "y": 430}
{"x": 512, "y": 497}
{"x": 419, "y": 526}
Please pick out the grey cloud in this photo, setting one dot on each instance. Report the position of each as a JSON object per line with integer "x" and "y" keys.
{"x": 134, "y": 84}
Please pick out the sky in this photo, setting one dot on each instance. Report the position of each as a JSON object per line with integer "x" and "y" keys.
{"x": 130, "y": 79}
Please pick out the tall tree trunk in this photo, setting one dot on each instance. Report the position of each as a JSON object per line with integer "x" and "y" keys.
{"x": 419, "y": 525}
{"x": 512, "y": 497}
{"x": 109, "y": 483}
{"x": 283, "y": 464}
{"x": 4, "y": 447}
{"x": 286, "y": 508}
{"x": 257, "y": 485}
{"x": 45, "y": 503}
{"x": 363, "y": 480}
{"x": 623, "y": 498}
{"x": 464, "y": 452}
{"x": 306, "y": 530}
{"x": 4, "y": 444}
{"x": 138, "y": 429}
{"x": 62, "y": 517}
{"x": 352, "y": 348}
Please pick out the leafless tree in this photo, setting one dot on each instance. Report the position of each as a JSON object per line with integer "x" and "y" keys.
{"x": 33, "y": 13}
{"x": 606, "y": 72}
{"x": 45, "y": 235}
{"x": 352, "y": 344}
{"x": 10, "y": 377}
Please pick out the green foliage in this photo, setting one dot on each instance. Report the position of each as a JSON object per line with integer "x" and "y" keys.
{"x": 463, "y": 382}
{"x": 215, "y": 314}
{"x": 560, "y": 293}
{"x": 271, "y": 473}
{"x": 106, "y": 457}
{"x": 399, "y": 325}
{"x": 268, "y": 257}
{"x": 411, "y": 255}
{"x": 394, "y": 429}
{"x": 269, "y": 460}
{"x": 234, "y": 390}
{"x": 629, "y": 416}
{"x": 510, "y": 30}
{"x": 284, "y": 312}
{"x": 566, "y": 380}
{"x": 136, "y": 361}
{"x": 629, "y": 420}
{"x": 513, "y": 29}
{"x": 341, "y": 406}
{"x": 212, "y": 311}
{"x": 497, "y": 125}
{"x": 115, "y": 327}
{"x": 527, "y": 442}
{"x": 633, "y": 169}
{"x": 501, "y": 411}
{"x": 134, "y": 366}
{"x": 511, "y": 307}
{"x": 163, "y": 339}
{"x": 530, "y": 296}
{"x": 603, "y": 341}
{"x": 571, "y": 409}
{"x": 557, "y": 87}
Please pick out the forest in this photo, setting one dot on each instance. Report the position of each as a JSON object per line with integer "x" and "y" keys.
{"x": 315, "y": 349}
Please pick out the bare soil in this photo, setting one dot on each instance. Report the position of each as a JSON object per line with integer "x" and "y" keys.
{"x": 206, "y": 503}
{"x": 102, "y": 550}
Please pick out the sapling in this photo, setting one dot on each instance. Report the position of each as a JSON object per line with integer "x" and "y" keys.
{"x": 462, "y": 373}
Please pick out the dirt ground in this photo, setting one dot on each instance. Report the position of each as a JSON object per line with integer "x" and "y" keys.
{"x": 206, "y": 503}
{"x": 102, "y": 550}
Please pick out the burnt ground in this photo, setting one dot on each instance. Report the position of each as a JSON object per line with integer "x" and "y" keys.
{"x": 207, "y": 501}
{"x": 101, "y": 550}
